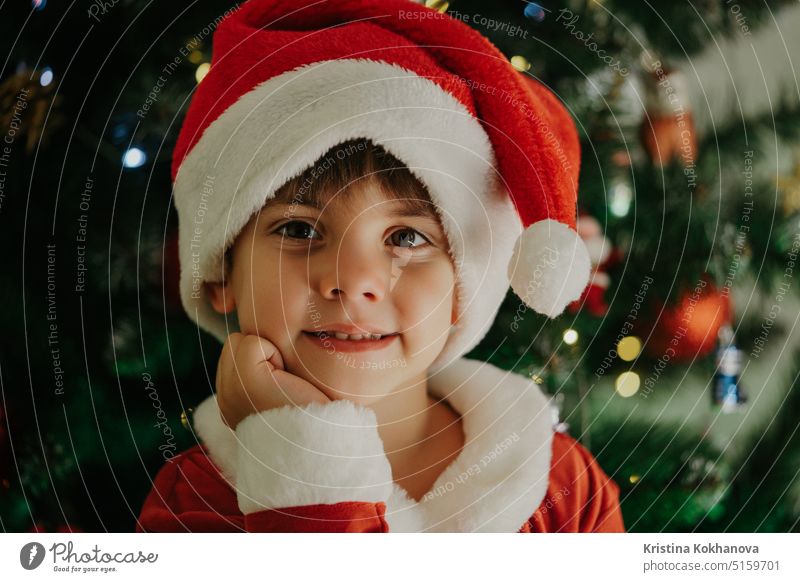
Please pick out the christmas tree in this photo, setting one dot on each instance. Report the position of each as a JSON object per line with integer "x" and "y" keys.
{"x": 676, "y": 368}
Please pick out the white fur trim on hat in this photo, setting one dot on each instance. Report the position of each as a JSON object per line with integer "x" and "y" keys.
{"x": 286, "y": 123}
{"x": 550, "y": 267}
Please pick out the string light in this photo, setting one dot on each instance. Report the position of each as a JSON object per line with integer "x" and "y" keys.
{"x": 627, "y": 384}
{"x": 570, "y": 336}
{"x": 133, "y": 158}
{"x": 46, "y": 77}
{"x": 438, "y": 5}
{"x": 534, "y": 12}
{"x": 520, "y": 63}
{"x": 195, "y": 57}
{"x": 202, "y": 71}
{"x": 629, "y": 348}
{"x": 187, "y": 424}
{"x": 621, "y": 196}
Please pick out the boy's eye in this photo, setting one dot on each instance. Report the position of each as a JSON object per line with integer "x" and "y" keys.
{"x": 408, "y": 238}
{"x": 297, "y": 229}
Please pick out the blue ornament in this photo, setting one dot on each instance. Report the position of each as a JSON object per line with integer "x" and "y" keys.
{"x": 534, "y": 12}
{"x": 727, "y": 390}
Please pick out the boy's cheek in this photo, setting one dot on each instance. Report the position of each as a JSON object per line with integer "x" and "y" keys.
{"x": 254, "y": 323}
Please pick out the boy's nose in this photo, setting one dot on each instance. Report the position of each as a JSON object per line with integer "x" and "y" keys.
{"x": 355, "y": 271}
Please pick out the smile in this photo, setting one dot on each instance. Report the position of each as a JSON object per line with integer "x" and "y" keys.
{"x": 350, "y": 342}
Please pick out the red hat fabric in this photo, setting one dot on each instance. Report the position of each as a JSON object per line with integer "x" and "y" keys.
{"x": 497, "y": 151}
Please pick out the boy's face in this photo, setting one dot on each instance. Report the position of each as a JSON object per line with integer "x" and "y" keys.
{"x": 359, "y": 261}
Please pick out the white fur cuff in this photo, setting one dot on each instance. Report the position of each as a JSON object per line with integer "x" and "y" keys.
{"x": 318, "y": 453}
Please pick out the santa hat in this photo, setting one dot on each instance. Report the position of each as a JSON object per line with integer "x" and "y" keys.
{"x": 497, "y": 151}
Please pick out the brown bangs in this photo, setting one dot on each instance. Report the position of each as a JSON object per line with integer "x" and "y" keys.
{"x": 353, "y": 163}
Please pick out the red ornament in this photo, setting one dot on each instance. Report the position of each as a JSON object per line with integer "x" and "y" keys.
{"x": 689, "y": 329}
{"x": 670, "y": 138}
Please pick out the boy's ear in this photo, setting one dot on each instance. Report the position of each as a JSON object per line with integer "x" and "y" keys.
{"x": 221, "y": 297}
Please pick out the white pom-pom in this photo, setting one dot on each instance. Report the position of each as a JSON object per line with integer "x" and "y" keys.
{"x": 550, "y": 267}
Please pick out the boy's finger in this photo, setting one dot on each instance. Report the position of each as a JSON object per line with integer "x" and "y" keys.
{"x": 298, "y": 390}
{"x": 254, "y": 350}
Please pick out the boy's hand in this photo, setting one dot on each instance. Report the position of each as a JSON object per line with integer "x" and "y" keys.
{"x": 251, "y": 378}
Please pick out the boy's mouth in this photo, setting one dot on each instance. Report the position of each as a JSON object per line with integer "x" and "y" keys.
{"x": 343, "y": 342}
{"x": 349, "y": 337}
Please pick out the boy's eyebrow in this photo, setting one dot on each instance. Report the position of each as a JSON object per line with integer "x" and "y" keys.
{"x": 399, "y": 208}
{"x": 317, "y": 205}
{"x": 408, "y": 210}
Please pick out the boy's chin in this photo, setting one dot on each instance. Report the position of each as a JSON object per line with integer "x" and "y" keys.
{"x": 339, "y": 382}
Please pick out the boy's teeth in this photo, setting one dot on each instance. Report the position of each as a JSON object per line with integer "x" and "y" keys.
{"x": 356, "y": 336}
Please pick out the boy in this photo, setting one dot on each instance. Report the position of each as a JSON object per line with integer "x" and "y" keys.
{"x": 353, "y": 205}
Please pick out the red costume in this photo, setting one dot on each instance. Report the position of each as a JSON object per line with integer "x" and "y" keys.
{"x": 513, "y": 474}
